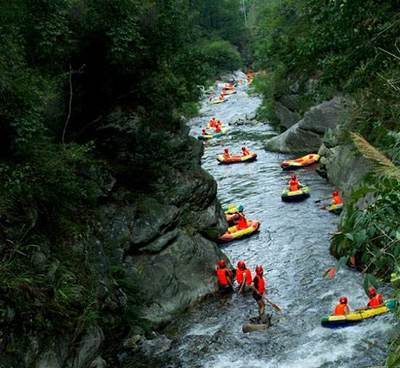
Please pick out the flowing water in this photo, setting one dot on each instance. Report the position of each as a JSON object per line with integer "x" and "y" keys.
{"x": 293, "y": 246}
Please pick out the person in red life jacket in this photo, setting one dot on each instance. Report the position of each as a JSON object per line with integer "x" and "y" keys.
{"x": 342, "y": 308}
{"x": 227, "y": 155}
{"x": 243, "y": 276}
{"x": 224, "y": 276}
{"x": 213, "y": 122}
{"x": 245, "y": 151}
{"x": 336, "y": 199}
{"x": 294, "y": 184}
{"x": 242, "y": 222}
{"x": 375, "y": 299}
{"x": 218, "y": 128}
{"x": 203, "y": 132}
{"x": 259, "y": 291}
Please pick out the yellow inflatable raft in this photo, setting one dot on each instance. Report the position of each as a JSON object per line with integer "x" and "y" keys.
{"x": 234, "y": 233}
{"x": 358, "y": 315}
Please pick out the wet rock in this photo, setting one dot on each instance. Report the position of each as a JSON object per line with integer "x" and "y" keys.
{"x": 133, "y": 342}
{"x": 161, "y": 242}
{"x": 306, "y": 135}
{"x": 287, "y": 118}
{"x": 151, "y": 220}
{"x": 343, "y": 166}
{"x": 99, "y": 362}
{"x": 155, "y": 347}
{"x": 88, "y": 347}
{"x": 175, "y": 278}
{"x": 251, "y": 327}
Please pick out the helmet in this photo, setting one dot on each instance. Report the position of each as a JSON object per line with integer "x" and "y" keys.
{"x": 221, "y": 263}
{"x": 259, "y": 270}
{"x": 371, "y": 291}
{"x": 294, "y": 177}
{"x": 335, "y": 193}
{"x": 343, "y": 300}
{"x": 241, "y": 265}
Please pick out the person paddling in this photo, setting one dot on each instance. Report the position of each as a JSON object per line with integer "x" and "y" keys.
{"x": 342, "y": 308}
{"x": 375, "y": 299}
{"x": 294, "y": 184}
{"x": 336, "y": 199}
{"x": 224, "y": 277}
{"x": 242, "y": 222}
{"x": 243, "y": 277}
{"x": 227, "y": 155}
{"x": 259, "y": 291}
{"x": 203, "y": 132}
{"x": 245, "y": 151}
{"x": 218, "y": 128}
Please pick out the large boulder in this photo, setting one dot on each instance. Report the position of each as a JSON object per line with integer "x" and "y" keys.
{"x": 306, "y": 135}
{"x": 175, "y": 278}
{"x": 286, "y": 117}
{"x": 343, "y": 166}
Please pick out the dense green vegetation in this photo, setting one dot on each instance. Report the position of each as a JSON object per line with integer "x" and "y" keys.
{"x": 80, "y": 82}
{"x": 317, "y": 49}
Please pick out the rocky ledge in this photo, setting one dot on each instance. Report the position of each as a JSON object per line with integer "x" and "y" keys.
{"x": 306, "y": 135}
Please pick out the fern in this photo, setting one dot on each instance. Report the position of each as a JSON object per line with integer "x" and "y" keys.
{"x": 383, "y": 166}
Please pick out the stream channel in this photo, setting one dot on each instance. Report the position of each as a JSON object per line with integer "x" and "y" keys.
{"x": 293, "y": 247}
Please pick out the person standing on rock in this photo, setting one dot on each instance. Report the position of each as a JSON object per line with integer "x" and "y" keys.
{"x": 259, "y": 291}
{"x": 224, "y": 277}
{"x": 243, "y": 277}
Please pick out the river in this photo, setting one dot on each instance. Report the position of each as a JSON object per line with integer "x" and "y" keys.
{"x": 293, "y": 247}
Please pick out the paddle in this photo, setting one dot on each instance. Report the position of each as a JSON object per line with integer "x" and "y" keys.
{"x": 273, "y": 305}
{"x": 323, "y": 199}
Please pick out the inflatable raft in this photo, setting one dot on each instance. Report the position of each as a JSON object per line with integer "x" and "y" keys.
{"x": 297, "y": 195}
{"x": 234, "y": 233}
{"x": 357, "y": 316}
{"x": 232, "y": 208}
{"x": 216, "y": 101}
{"x": 211, "y": 135}
{"x": 298, "y": 163}
{"x": 236, "y": 159}
{"x": 335, "y": 208}
{"x": 229, "y": 91}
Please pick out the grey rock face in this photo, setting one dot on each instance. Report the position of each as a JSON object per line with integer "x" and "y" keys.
{"x": 306, "y": 135}
{"x": 176, "y": 277}
{"x": 287, "y": 117}
{"x": 343, "y": 166}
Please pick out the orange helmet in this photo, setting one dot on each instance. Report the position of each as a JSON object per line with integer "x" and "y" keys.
{"x": 343, "y": 300}
{"x": 371, "y": 291}
{"x": 241, "y": 265}
{"x": 259, "y": 270}
{"x": 221, "y": 263}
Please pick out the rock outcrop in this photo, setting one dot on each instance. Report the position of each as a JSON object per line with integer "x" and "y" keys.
{"x": 306, "y": 135}
{"x": 343, "y": 166}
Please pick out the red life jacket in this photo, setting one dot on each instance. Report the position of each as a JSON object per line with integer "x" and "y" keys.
{"x": 221, "y": 275}
{"x": 340, "y": 310}
{"x": 260, "y": 284}
{"x": 293, "y": 185}
{"x": 376, "y": 301}
{"x": 337, "y": 200}
{"x": 242, "y": 223}
{"x": 239, "y": 276}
